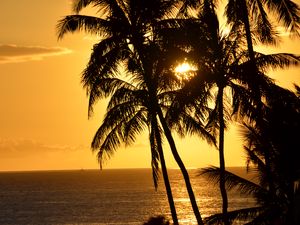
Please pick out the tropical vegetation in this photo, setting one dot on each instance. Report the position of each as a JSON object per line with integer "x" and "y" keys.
{"x": 133, "y": 65}
{"x": 277, "y": 197}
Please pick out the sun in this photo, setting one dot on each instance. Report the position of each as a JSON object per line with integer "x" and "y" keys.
{"x": 185, "y": 70}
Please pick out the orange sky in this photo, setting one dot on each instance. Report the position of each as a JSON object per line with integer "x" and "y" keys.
{"x": 43, "y": 108}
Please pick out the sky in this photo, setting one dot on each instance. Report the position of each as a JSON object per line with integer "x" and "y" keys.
{"x": 43, "y": 107}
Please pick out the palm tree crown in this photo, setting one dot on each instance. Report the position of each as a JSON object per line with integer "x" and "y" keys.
{"x": 128, "y": 29}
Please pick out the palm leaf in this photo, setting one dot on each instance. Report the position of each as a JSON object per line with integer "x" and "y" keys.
{"x": 245, "y": 214}
{"x": 242, "y": 102}
{"x": 112, "y": 8}
{"x": 265, "y": 30}
{"x": 90, "y": 24}
{"x": 288, "y": 12}
{"x": 115, "y": 129}
{"x": 192, "y": 125}
{"x": 234, "y": 12}
{"x": 129, "y": 95}
{"x": 78, "y": 5}
{"x": 279, "y": 60}
{"x": 233, "y": 181}
{"x": 135, "y": 126}
{"x": 106, "y": 145}
{"x": 102, "y": 88}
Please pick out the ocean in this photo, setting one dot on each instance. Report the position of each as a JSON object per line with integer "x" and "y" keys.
{"x": 107, "y": 197}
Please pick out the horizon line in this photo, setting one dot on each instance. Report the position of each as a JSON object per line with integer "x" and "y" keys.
{"x": 86, "y": 169}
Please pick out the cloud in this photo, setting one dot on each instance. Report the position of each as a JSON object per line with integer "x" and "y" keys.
{"x": 25, "y": 147}
{"x": 15, "y": 53}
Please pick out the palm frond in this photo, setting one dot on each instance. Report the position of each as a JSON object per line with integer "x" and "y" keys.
{"x": 90, "y": 24}
{"x": 268, "y": 216}
{"x": 105, "y": 60}
{"x": 288, "y": 12}
{"x": 98, "y": 77}
{"x": 278, "y": 60}
{"x": 135, "y": 126}
{"x": 254, "y": 159}
{"x": 106, "y": 144}
{"x": 242, "y": 102}
{"x": 116, "y": 128}
{"x": 102, "y": 88}
{"x": 191, "y": 125}
{"x": 232, "y": 181}
{"x": 234, "y": 12}
{"x": 186, "y": 6}
{"x": 129, "y": 95}
{"x": 78, "y": 5}
{"x": 265, "y": 30}
{"x": 245, "y": 214}
{"x": 115, "y": 116}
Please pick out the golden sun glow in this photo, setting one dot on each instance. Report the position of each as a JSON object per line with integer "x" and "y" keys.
{"x": 185, "y": 70}
{"x": 184, "y": 67}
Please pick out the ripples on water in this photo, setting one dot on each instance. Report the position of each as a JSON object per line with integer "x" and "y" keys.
{"x": 107, "y": 197}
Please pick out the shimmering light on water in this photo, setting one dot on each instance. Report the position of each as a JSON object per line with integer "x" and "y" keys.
{"x": 97, "y": 198}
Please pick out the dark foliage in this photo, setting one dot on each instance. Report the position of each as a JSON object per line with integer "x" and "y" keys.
{"x": 157, "y": 220}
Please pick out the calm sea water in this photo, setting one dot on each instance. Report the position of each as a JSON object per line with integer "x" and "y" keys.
{"x": 109, "y": 197}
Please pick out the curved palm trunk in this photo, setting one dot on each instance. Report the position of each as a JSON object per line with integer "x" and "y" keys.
{"x": 166, "y": 177}
{"x": 181, "y": 166}
{"x": 222, "y": 158}
{"x": 168, "y": 135}
{"x": 253, "y": 67}
{"x": 168, "y": 186}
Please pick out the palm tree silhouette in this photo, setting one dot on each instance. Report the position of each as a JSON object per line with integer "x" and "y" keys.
{"x": 129, "y": 31}
{"x": 216, "y": 58}
{"x": 257, "y": 12}
{"x": 129, "y": 112}
{"x": 128, "y": 28}
{"x": 253, "y": 16}
{"x": 223, "y": 65}
{"x": 278, "y": 134}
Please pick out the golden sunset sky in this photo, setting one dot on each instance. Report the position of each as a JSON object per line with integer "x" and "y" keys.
{"x": 43, "y": 107}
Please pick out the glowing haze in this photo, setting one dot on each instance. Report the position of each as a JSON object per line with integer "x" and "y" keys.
{"x": 43, "y": 112}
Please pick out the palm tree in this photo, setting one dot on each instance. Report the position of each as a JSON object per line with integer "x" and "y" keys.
{"x": 129, "y": 112}
{"x": 126, "y": 116}
{"x": 253, "y": 15}
{"x": 215, "y": 57}
{"x": 280, "y": 130}
{"x": 278, "y": 134}
{"x": 127, "y": 28}
{"x": 223, "y": 63}
{"x": 237, "y": 13}
{"x": 248, "y": 13}
{"x": 255, "y": 19}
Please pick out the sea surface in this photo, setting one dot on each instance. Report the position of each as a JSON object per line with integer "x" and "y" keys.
{"x": 107, "y": 197}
